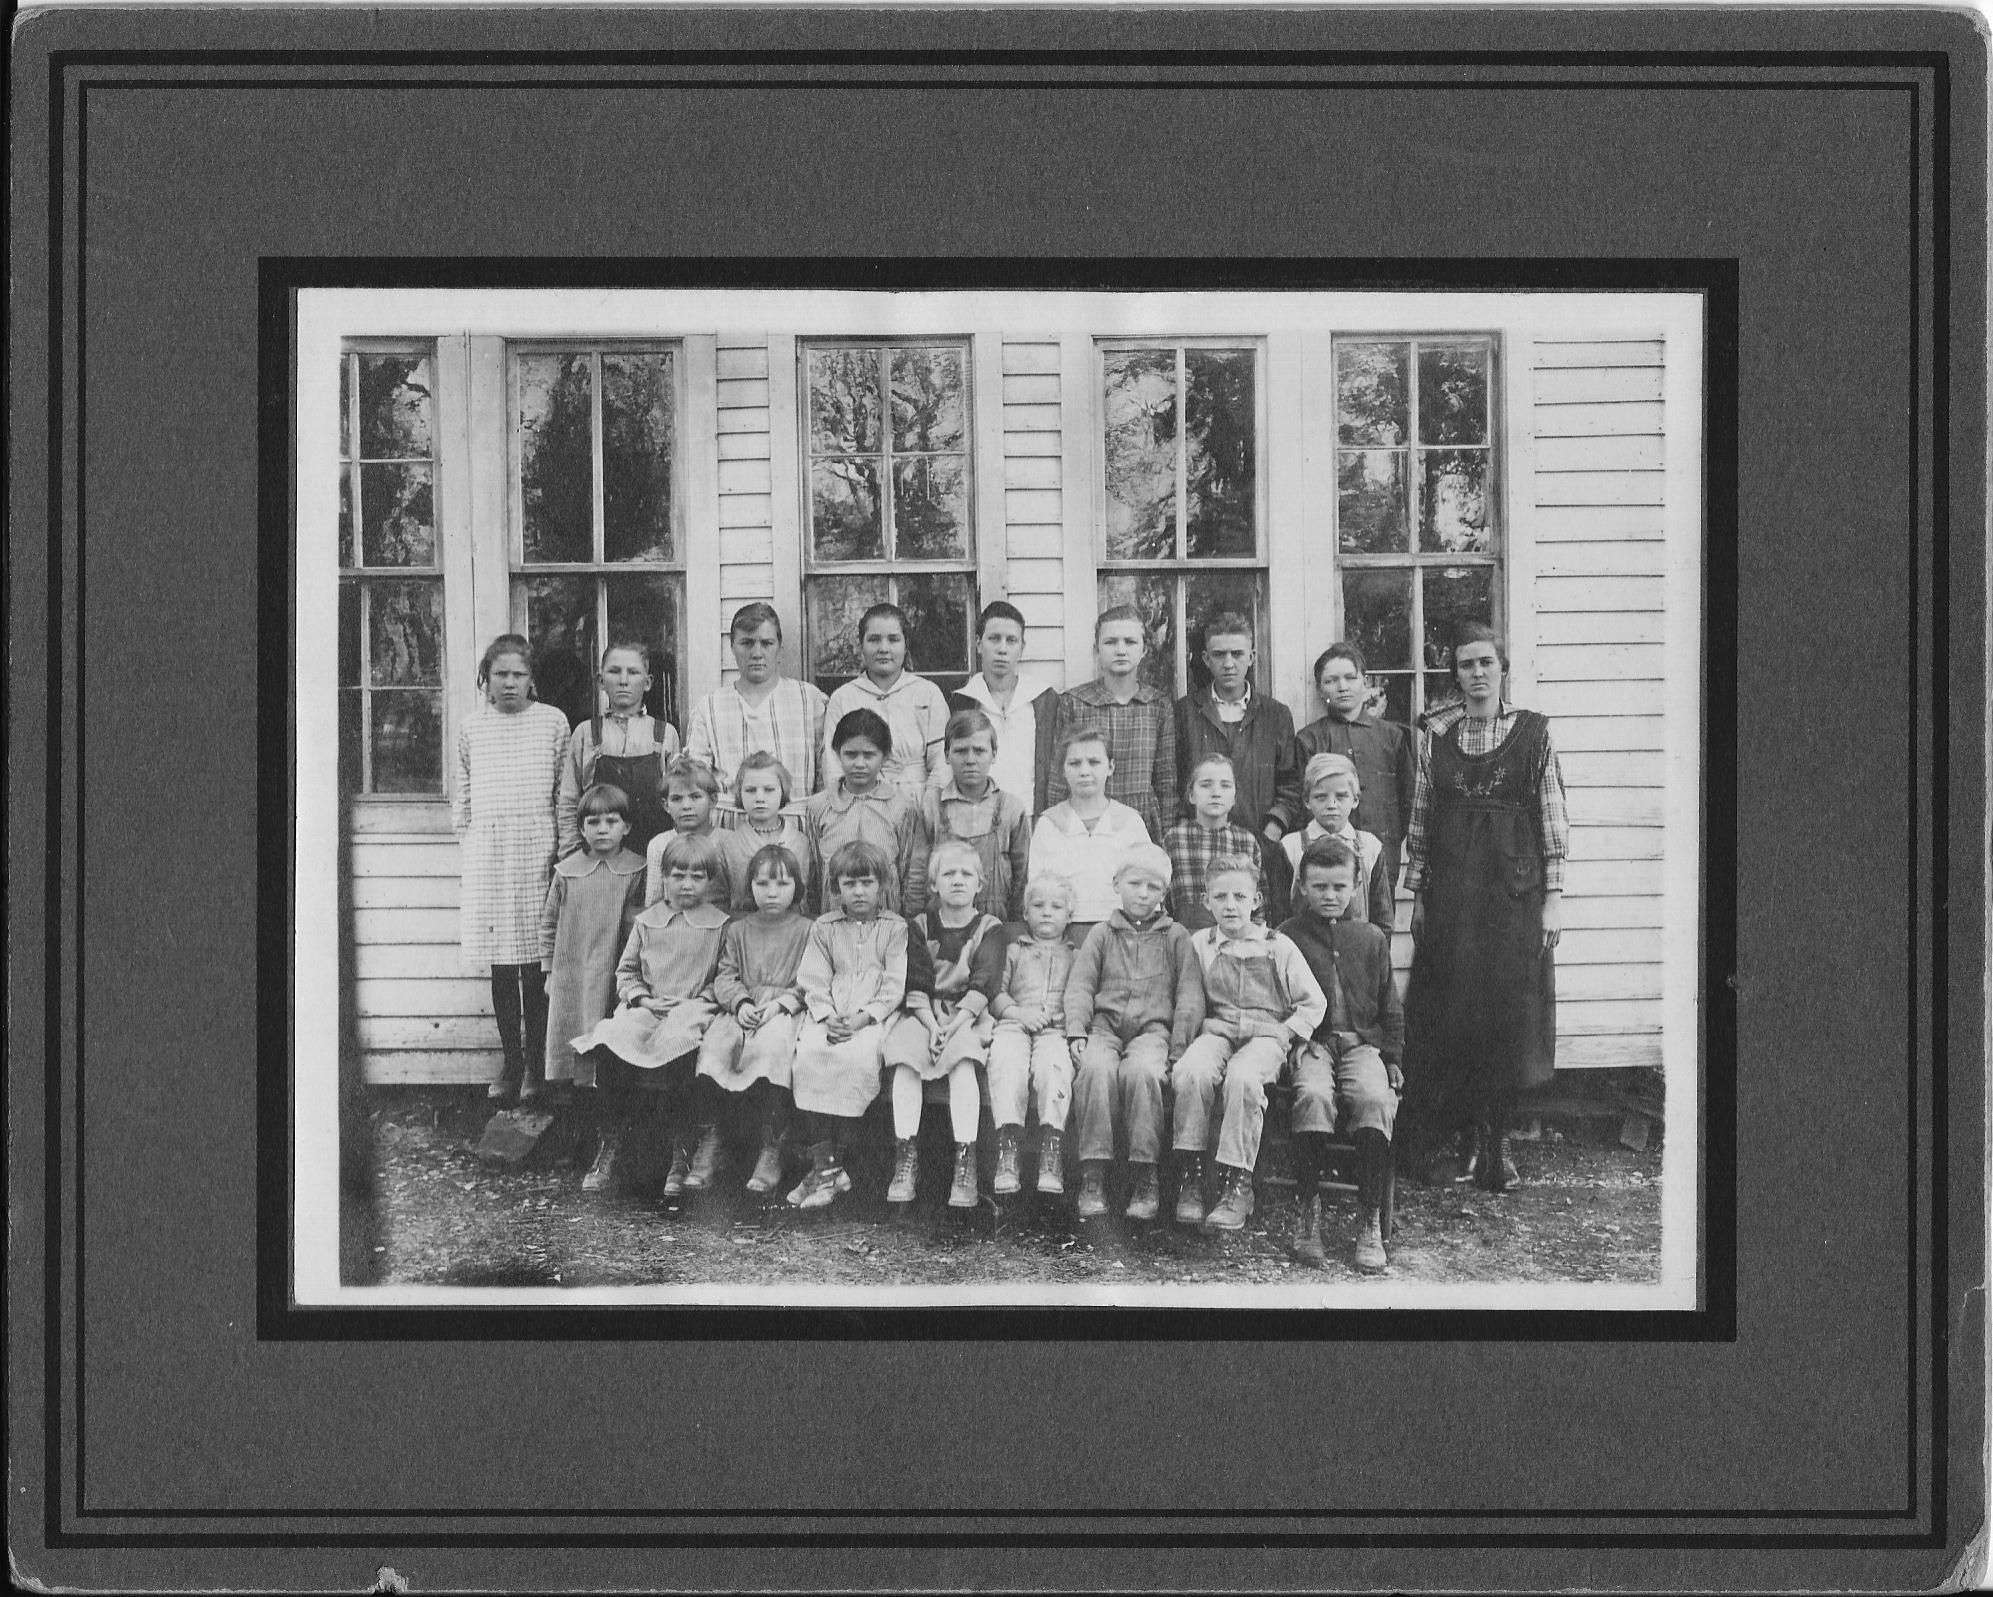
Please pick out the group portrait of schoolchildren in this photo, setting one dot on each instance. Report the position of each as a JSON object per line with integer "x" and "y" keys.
{"x": 1113, "y": 919}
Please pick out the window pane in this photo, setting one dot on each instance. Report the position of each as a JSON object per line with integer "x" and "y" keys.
{"x": 1140, "y": 412}
{"x": 349, "y": 634}
{"x": 938, "y": 610}
{"x": 1377, "y": 616}
{"x": 394, "y": 407}
{"x": 1204, "y": 597}
{"x": 646, "y": 609}
{"x": 927, "y": 399}
{"x": 1154, "y": 595}
{"x": 397, "y": 516}
{"x": 844, "y": 401}
{"x": 1390, "y": 696}
{"x": 345, "y": 515}
{"x": 1454, "y": 594}
{"x": 556, "y": 457}
{"x": 1370, "y": 393}
{"x": 560, "y": 620}
{"x": 349, "y": 740}
{"x": 1370, "y": 501}
{"x": 844, "y": 511}
{"x": 930, "y": 508}
{"x": 408, "y": 742}
{"x": 1219, "y": 453}
{"x": 637, "y": 412}
{"x": 345, "y": 407}
{"x": 835, "y": 604}
{"x": 1453, "y": 393}
{"x": 1453, "y": 501}
{"x": 404, "y": 633}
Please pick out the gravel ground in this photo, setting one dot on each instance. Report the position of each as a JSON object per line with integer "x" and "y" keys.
{"x": 441, "y": 1215}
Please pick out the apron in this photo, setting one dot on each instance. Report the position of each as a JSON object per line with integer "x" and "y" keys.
{"x": 641, "y": 776}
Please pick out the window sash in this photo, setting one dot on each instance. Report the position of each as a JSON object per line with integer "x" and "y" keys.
{"x": 880, "y": 349}
{"x": 352, "y": 463}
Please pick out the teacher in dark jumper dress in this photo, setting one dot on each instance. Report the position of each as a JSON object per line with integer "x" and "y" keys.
{"x": 1486, "y": 844}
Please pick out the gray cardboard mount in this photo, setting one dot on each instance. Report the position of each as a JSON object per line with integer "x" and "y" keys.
{"x": 160, "y": 1439}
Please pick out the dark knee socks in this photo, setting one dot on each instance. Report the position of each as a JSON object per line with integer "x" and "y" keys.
{"x": 1373, "y": 1166}
{"x": 1311, "y": 1157}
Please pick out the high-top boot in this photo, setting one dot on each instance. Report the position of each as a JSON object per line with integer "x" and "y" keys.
{"x": 705, "y": 1160}
{"x": 768, "y": 1168}
{"x": 506, "y": 1012}
{"x": 1497, "y": 1170}
{"x": 1147, "y": 1194}
{"x": 1235, "y": 1207}
{"x": 826, "y": 1178}
{"x": 681, "y": 1168}
{"x": 962, "y": 1192}
{"x": 821, "y": 1158}
{"x": 1006, "y": 1181}
{"x": 1189, "y": 1188}
{"x": 603, "y": 1171}
{"x": 1093, "y": 1189}
{"x": 1308, "y": 1231}
{"x": 1051, "y": 1162}
{"x": 906, "y": 1171}
{"x": 533, "y": 996}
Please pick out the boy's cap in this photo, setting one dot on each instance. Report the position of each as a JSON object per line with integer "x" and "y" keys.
{"x": 1149, "y": 859}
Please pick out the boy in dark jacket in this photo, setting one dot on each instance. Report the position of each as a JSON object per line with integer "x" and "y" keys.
{"x": 1356, "y": 1053}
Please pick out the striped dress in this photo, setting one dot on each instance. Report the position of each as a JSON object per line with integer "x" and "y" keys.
{"x": 502, "y": 809}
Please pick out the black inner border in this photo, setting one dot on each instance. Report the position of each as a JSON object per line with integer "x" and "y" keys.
{"x": 1719, "y": 283}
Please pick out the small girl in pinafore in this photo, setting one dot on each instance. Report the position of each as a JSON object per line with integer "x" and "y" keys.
{"x": 944, "y": 1031}
{"x": 750, "y": 1050}
{"x": 852, "y": 978}
{"x": 591, "y": 904}
{"x": 690, "y": 792}
{"x": 661, "y": 984}
{"x": 972, "y": 809}
{"x": 621, "y": 745}
{"x": 759, "y": 818}
{"x": 502, "y": 810}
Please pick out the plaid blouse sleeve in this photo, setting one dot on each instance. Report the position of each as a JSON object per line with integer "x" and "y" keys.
{"x": 1415, "y": 829}
{"x": 1553, "y": 820}
{"x": 1162, "y": 773}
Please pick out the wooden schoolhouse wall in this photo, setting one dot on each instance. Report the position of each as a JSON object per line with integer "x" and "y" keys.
{"x": 1590, "y": 496}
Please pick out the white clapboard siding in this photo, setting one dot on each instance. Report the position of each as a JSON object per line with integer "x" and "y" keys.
{"x": 746, "y": 483}
{"x": 1034, "y": 500}
{"x": 1597, "y": 491}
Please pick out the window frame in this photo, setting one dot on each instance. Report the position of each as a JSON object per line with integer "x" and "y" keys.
{"x": 355, "y": 573}
{"x": 1181, "y": 565}
{"x": 670, "y": 674}
{"x": 889, "y": 568}
{"x": 1412, "y": 558}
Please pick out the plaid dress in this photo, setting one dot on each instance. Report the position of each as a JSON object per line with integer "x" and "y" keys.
{"x": 1141, "y": 740}
{"x": 502, "y": 809}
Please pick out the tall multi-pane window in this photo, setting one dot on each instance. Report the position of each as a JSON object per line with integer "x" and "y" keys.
{"x": 390, "y": 582}
{"x": 599, "y": 555}
{"x": 1183, "y": 515}
{"x": 887, "y": 472}
{"x": 1418, "y": 529}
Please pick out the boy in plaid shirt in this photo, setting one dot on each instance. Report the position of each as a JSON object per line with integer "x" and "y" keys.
{"x": 1205, "y": 836}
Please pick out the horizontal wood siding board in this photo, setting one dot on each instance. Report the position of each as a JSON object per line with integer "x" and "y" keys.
{"x": 754, "y": 419}
{"x": 1609, "y": 945}
{"x": 403, "y": 924}
{"x": 1641, "y": 557}
{"x": 1582, "y": 420}
{"x": 1035, "y": 541}
{"x": 1614, "y": 843}
{"x": 744, "y": 476}
{"x": 1599, "y": 593}
{"x": 1619, "y": 734}
{"x": 1600, "y": 698}
{"x": 1601, "y": 488}
{"x": 431, "y": 1067}
{"x": 1578, "y": 983}
{"x": 1031, "y": 388}
{"x": 1599, "y": 662}
{"x": 746, "y": 510}
{"x": 743, "y": 446}
{"x": 1020, "y": 355}
{"x": 1021, "y": 442}
{"x": 380, "y": 1033}
{"x": 1596, "y": 385}
{"x": 434, "y": 961}
{"x": 1603, "y": 1017}
{"x": 1614, "y": 806}
{"x": 379, "y": 857}
{"x": 1619, "y": 913}
{"x": 753, "y": 544}
{"x": 1612, "y": 878}
{"x": 1559, "y": 354}
{"x": 1044, "y": 614}
{"x": 742, "y": 360}
{"x": 1615, "y": 1051}
{"x": 742, "y": 393}
{"x": 392, "y": 819}
{"x": 1033, "y": 505}
{"x": 424, "y": 996}
{"x": 407, "y": 892}
{"x": 1031, "y": 471}
{"x": 739, "y": 584}
{"x": 1643, "y": 769}
{"x": 1031, "y": 418}
{"x": 1599, "y": 626}
{"x": 1559, "y": 524}
{"x": 1032, "y": 577}
{"x": 1598, "y": 454}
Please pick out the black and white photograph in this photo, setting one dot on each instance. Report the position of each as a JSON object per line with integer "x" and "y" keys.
{"x": 1004, "y": 797}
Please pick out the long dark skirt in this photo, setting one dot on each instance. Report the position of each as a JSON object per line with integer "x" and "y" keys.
{"x": 1481, "y": 1006}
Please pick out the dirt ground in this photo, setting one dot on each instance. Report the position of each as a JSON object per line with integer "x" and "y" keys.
{"x": 1587, "y": 1210}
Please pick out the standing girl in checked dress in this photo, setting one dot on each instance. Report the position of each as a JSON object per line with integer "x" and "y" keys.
{"x": 502, "y": 809}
